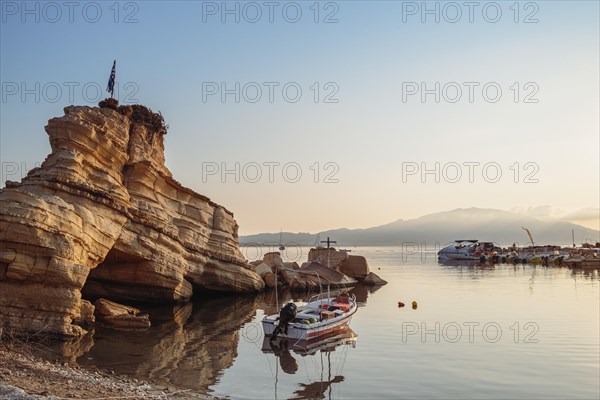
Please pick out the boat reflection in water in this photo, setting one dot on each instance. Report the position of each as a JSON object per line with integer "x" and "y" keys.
{"x": 341, "y": 339}
{"x": 467, "y": 264}
{"x": 326, "y": 343}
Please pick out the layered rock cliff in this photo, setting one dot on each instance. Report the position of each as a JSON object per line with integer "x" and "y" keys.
{"x": 105, "y": 215}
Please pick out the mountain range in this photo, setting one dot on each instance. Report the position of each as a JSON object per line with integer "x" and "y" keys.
{"x": 501, "y": 227}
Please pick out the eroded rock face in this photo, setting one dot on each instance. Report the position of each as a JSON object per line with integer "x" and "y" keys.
{"x": 355, "y": 267}
{"x": 322, "y": 255}
{"x": 274, "y": 260}
{"x": 119, "y": 316}
{"x": 373, "y": 279}
{"x": 103, "y": 211}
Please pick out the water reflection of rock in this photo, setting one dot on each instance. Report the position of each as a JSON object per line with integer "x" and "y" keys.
{"x": 65, "y": 350}
{"x": 189, "y": 346}
{"x": 362, "y": 292}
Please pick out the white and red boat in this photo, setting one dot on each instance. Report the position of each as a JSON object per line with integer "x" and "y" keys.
{"x": 322, "y": 315}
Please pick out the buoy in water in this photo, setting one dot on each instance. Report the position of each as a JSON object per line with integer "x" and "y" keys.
{"x": 414, "y": 305}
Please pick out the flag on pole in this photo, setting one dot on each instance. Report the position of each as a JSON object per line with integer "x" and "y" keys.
{"x": 111, "y": 81}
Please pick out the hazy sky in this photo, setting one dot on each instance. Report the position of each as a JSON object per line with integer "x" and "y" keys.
{"x": 360, "y": 102}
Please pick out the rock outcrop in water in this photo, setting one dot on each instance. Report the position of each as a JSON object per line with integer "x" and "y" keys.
{"x": 104, "y": 215}
{"x": 325, "y": 266}
{"x": 355, "y": 267}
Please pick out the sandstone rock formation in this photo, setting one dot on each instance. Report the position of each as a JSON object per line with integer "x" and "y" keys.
{"x": 355, "y": 267}
{"x": 311, "y": 276}
{"x": 274, "y": 260}
{"x": 373, "y": 279}
{"x": 308, "y": 277}
{"x": 322, "y": 254}
{"x": 345, "y": 271}
{"x": 266, "y": 273}
{"x": 103, "y": 213}
{"x": 291, "y": 265}
{"x": 122, "y": 317}
{"x": 262, "y": 269}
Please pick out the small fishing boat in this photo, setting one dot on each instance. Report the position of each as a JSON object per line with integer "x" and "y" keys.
{"x": 320, "y": 316}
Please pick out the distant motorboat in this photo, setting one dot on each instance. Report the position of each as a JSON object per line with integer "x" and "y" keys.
{"x": 467, "y": 249}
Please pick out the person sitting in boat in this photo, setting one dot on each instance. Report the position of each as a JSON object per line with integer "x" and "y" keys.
{"x": 287, "y": 313}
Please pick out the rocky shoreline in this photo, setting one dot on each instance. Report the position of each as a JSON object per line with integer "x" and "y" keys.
{"x": 26, "y": 377}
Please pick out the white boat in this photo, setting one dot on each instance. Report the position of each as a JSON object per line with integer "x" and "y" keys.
{"x": 322, "y": 315}
{"x": 466, "y": 250}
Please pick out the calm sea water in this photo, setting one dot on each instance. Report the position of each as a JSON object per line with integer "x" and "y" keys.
{"x": 478, "y": 332}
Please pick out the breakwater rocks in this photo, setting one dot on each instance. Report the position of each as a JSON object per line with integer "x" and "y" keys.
{"x": 324, "y": 266}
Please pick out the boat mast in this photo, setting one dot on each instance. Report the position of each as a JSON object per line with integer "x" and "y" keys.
{"x": 281, "y": 246}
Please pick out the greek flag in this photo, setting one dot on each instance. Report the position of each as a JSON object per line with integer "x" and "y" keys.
{"x": 111, "y": 81}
